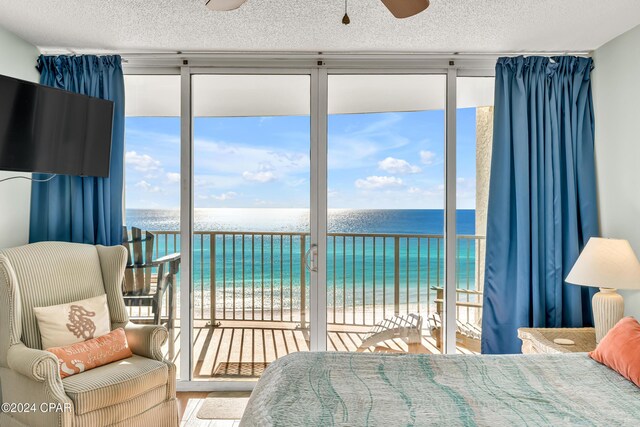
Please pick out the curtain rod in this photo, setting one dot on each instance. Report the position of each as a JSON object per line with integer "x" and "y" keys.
{"x": 310, "y": 54}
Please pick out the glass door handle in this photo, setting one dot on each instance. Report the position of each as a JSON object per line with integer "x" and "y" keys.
{"x": 311, "y": 258}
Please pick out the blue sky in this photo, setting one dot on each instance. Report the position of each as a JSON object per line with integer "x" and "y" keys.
{"x": 376, "y": 161}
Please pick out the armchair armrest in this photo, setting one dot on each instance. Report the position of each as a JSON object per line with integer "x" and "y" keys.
{"x": 37, "y": 365}
{"x": 41, "y": 382}
{"x": 146, "y": 340}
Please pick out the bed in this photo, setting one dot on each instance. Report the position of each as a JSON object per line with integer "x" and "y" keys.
{"x": 372, "y": 389}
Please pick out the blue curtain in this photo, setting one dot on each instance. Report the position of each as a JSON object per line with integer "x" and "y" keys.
{"x": 83, "y": 209}
{"x": 542, "y": 198}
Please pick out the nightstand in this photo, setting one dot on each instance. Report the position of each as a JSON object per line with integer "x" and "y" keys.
{"x": 540, "y": 340}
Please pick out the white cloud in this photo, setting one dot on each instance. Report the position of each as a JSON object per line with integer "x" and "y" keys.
{"x": 466, "y": 192}
{"x": 262, "y": 202}
{"x": 148, "y": 187}
{"x": 434, "y": 191}
{"x": 225, "y": 196}
{"x": 427, "y": 157}
{"x": 377, "y": 182}
{"x": 173, "y": 177}
{"x": 357, "y": 146}
{"x": 217, "y": 182}
{"x": 228, "y": 158}
{"x": 385, "y": 122}
{"x": 393, "y": 165}
{"x": 261, "y": 176}
{"x": 142, "y": 162}
{"x": 296, "y": 182}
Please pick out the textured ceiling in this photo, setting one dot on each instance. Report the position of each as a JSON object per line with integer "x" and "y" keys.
{"x": 471, "y": 26}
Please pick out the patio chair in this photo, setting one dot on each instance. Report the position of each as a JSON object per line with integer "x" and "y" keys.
{"x": 142, "y": 287}
{"x": 138, "y": 391}
{"x": 467, "y": 334}
{"x": 406, "y": 327}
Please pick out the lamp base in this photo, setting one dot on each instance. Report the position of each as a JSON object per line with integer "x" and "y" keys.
{"x": 608, "y": 309}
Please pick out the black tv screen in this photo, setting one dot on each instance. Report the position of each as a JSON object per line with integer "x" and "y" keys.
{"x": 49, "y": 130}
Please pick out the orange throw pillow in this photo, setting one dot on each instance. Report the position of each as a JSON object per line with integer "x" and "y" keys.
{"x": 82, "y": 356}
{"x": 620, "y": 349}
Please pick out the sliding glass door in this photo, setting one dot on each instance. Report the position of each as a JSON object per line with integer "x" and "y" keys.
{"x": 385, "y": 247}
{"x": 152, "y": 195}
{"x": 314, "y": 209}
{"x": 252, "y": 224}
{"x": 473, "y": 157}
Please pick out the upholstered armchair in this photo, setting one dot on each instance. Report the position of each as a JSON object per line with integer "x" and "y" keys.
{"x": 138, "y": 391}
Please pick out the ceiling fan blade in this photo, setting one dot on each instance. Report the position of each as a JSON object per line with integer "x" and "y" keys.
{"x": 224, "y": 5}
{"x": 405, "y": 8}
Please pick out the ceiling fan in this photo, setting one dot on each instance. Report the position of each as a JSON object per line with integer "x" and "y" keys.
{"x": 399, "y": 8}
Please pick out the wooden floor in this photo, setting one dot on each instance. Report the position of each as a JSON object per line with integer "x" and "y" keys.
{"x": 240, "y": 351}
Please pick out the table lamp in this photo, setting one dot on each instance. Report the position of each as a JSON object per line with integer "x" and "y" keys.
{"x": 608, "y": 264}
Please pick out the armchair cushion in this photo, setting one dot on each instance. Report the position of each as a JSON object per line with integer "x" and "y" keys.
{"x": 115, "y": 383}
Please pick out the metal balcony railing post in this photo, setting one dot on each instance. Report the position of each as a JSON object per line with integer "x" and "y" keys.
{"x": 396, "y": 275}
{"x": 212, "y": 280}
{"x": 303, "y": 282}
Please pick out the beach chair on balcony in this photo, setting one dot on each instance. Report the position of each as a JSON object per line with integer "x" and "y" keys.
{"x": 467, "y": 334}
{"x": 405, "y": 327}
{"x": 148, "y": 280}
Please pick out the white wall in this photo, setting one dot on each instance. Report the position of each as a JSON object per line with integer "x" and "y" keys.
{"x": 18, "y": 60}
{"x": 616, "y": 90}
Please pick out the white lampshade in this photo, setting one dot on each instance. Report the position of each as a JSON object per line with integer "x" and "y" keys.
{"x": 224, "y": 5}
{"x": 606, "y": 263}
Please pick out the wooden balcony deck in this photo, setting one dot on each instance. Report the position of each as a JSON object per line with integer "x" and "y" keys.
{"x": 241, "y": 350}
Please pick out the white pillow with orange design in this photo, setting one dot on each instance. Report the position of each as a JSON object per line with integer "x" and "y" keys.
{"x": 74, "y": 322}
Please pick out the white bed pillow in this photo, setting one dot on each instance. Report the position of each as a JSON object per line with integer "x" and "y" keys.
{"x": 74, "y": 322}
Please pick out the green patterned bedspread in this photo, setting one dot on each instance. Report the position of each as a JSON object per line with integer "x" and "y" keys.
{"x": 346, "y": 389}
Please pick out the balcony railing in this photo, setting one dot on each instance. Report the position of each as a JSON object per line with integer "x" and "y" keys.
{"x": 261, "y": 276}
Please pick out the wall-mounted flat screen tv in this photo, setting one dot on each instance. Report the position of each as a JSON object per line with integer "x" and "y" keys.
{"x": 49, "y": 130}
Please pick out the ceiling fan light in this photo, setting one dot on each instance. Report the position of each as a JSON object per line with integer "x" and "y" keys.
{"x": 224, "y": 5}
{"x": 405, "y": 8}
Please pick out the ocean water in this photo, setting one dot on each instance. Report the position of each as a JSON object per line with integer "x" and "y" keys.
{"x": 256, "y": 256}
{"x": 403, "y": 221}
